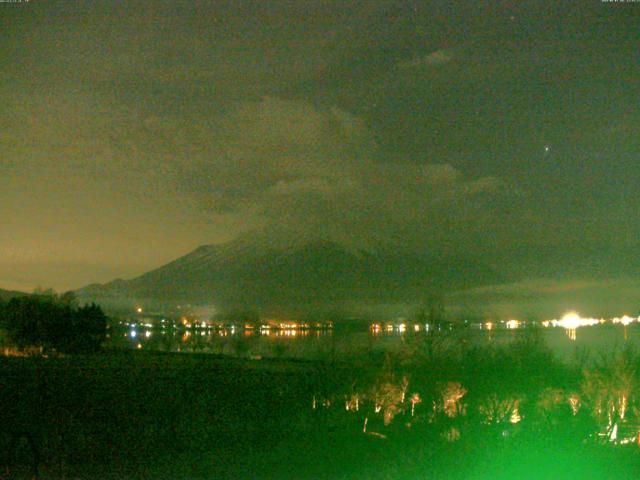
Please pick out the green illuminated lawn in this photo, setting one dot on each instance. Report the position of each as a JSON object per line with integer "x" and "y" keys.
{"x": 144, "y": 415}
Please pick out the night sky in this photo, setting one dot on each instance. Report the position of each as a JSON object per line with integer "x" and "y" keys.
{"x": 505, "y": 131}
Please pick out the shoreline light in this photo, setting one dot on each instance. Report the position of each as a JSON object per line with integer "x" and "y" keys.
{"x": 624, "y": 320}
{"x": 513, "y": 324}
{"x": 573, "y": 320}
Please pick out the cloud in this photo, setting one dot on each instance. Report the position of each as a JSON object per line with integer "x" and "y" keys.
{"x": 545, "y": 298}
{"x": 126, "y": 176}
{"x": 315, "y": 168}
{"x": 439, "y": 57}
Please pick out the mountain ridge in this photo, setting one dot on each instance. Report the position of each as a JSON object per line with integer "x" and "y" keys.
{"x": 304, "y": 273}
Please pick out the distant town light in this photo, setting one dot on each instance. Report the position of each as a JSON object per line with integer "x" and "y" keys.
{"x": 573, "y": 320}
{"x": 625, "y": 320}
{"x": 513, "y": 324}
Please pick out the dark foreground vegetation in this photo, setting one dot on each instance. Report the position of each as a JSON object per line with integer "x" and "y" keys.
{"x": 52, "y": 323}
{"x": 438, "y": 409}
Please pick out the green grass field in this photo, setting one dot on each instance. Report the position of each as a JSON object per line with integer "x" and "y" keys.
{"x": 151, "y": 415}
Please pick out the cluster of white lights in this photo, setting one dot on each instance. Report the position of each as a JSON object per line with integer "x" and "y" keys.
{"x": 570, "y": 321}
{"x": 573, "y": 320}
{"x": 512, "y": 324}
{"x": 625, "y": 320}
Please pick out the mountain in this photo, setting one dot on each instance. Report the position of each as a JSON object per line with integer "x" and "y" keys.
{"x": 253, "y": 273}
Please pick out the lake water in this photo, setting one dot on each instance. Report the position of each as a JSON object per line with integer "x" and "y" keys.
{"x": 340, "y": 343}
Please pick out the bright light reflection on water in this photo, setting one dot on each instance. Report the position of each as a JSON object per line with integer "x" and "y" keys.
{"x": 563, "y": 336}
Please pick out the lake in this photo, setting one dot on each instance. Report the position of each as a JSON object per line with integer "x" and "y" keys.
{"x": 346, "y": 343}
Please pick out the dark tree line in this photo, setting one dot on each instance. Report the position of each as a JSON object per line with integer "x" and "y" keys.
{"x": 53, "y": 322}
